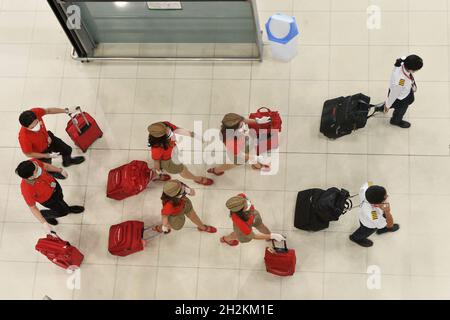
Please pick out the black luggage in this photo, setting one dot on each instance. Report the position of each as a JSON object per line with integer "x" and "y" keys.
{"x": 315, "y": 208}
{"x": 340, "y": 116}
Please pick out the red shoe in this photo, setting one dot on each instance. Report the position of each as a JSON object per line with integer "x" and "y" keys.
{"x": 232, "y": 243}
{"x": 213, "y": 171}
{"x": 205, "y": 181}
{"x": 209, "y": 229}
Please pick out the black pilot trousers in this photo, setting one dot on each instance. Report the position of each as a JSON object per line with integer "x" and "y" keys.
{"x": 57, "y": 145}
{"x": 57, "y": 206}
{"x": 401, "y": 106}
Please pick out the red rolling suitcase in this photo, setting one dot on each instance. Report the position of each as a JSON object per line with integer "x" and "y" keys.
{"x": 275, "y": 124}
{"x": 59, "y": 252}
{"x": 128, "y": 180}
{"x": 83, "y": 129}
{"x": 280, "y": 261}
{"x": 127, "y": 237}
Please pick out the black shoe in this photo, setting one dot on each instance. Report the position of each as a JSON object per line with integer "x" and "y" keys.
{"x": 58, "y": 175}
{"x": 394, "y": 228}
{"x": 52, "y": 221}
{"x": 402, "y": 124}
{"x": 74, "y": 160}
{"x": 366, "y": 243}
{"x": 76, "y": 209}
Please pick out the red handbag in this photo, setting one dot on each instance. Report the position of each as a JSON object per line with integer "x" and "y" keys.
{"x": 275, "y": 124}
{"x": 280, "y": 261}
{"x": 59, "y": 252}
{"x": 127, "y": 237}
{"x": 128, "y": 180}
{"x": 83, "y": 129}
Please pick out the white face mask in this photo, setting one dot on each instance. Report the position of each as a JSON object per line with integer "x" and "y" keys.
{"x": 38, "y": 174}
{"x": 248, "y": 205}
{"x": 170, "y": 134}
{"x": 36, "y": 127}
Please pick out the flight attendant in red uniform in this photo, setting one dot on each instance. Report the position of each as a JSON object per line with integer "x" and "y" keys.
{"x": 36, "y": 142}
{"x": 38, "y": 186}
{"x": 245, "y": 217}
{"x": 161, "y": 140}
{"x": 237, "y": 142}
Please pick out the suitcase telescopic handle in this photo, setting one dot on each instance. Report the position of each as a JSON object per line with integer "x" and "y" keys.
{"x": 78, "y": 108}
{"x": 152, "y": 236}
{"x": 277, "y": 249}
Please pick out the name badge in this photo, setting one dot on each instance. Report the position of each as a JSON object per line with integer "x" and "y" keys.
{"x": 374, "y": 215}
{"x": 53, "y": 184}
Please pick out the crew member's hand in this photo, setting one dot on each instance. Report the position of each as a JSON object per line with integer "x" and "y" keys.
{"x": 52, "y": 155}
{"x": 166, "y": 228}
{"x": 70, "y": 110}
{"x": 48, "y": 228}
{"x": 385, "y": 109}
{"x": 263, "y": 120}
{"x": 64, "y": 173}
{"x": 277, "y": 237}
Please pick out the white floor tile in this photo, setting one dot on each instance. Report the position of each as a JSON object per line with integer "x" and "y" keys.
{"x": 184, "y": 279}
{"x": 135, "y": 283}
{"x": 19, "y": 287}
{"x": 96, "y": 283}
{"x": 217, "y": 284}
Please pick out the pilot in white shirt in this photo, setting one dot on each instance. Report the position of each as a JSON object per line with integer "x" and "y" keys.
{"x": 402, "y": 87}
{"x": 374, "y": 214}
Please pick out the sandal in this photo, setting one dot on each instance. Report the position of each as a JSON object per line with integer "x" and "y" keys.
{"x": 163, "y": 177}
{"x": 209, "y": 229}
{"x": 213, "y": 171}
{"x": 232, "y": 243}
{"x": 261, "y": 167}
{"x": 205, "y": 181}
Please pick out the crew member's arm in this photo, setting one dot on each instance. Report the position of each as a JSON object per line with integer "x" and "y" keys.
{"x": 54, "y": 110}
{"x": 388, "y": 216}
{"x": 37, "y": 155}
{"x": 51, "y": 168}
{"x": 165, "y": 222}
{"x": 35, "y": 211}
{"x": 394, "y": 93}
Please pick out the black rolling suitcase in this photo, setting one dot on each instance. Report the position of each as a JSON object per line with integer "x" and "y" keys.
{"x": 316, "y": 208}
{"x": 340, "y": 116}
{"x": 305, "y": 217}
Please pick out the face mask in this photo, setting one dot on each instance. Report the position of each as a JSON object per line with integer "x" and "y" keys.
{"x": 36, "y": 127}
{"x": 170, "y": 134}
{"x": 38, "y": 174}
{"x": 248, "y": 205}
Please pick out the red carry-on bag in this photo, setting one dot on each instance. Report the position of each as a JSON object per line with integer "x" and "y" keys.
{"x": 59, "y": 252}
{"x": 275, "y": 124}
{"x": 280, "y": 261}
{"x": 128, "y": 237}
{"x": 83, "y": 129}
{"x": 128, "y": 180}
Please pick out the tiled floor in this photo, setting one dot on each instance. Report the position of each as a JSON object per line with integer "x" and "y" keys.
{"x": 338, "y": 55}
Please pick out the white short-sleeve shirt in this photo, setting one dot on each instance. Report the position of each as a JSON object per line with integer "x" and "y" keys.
{"x": 370, "y": 216}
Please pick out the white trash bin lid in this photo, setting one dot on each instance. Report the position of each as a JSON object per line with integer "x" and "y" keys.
{"x": 281, "y": 28}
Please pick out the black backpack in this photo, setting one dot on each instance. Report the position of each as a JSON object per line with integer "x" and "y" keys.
{"x": 315, "y": 208}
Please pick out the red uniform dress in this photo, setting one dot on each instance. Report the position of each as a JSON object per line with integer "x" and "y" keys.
{"x": 31, "y": 141}
{"x": 244, "y": 229}
{"x": 41, "y": 190}
{"x": 158, "y": 152}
